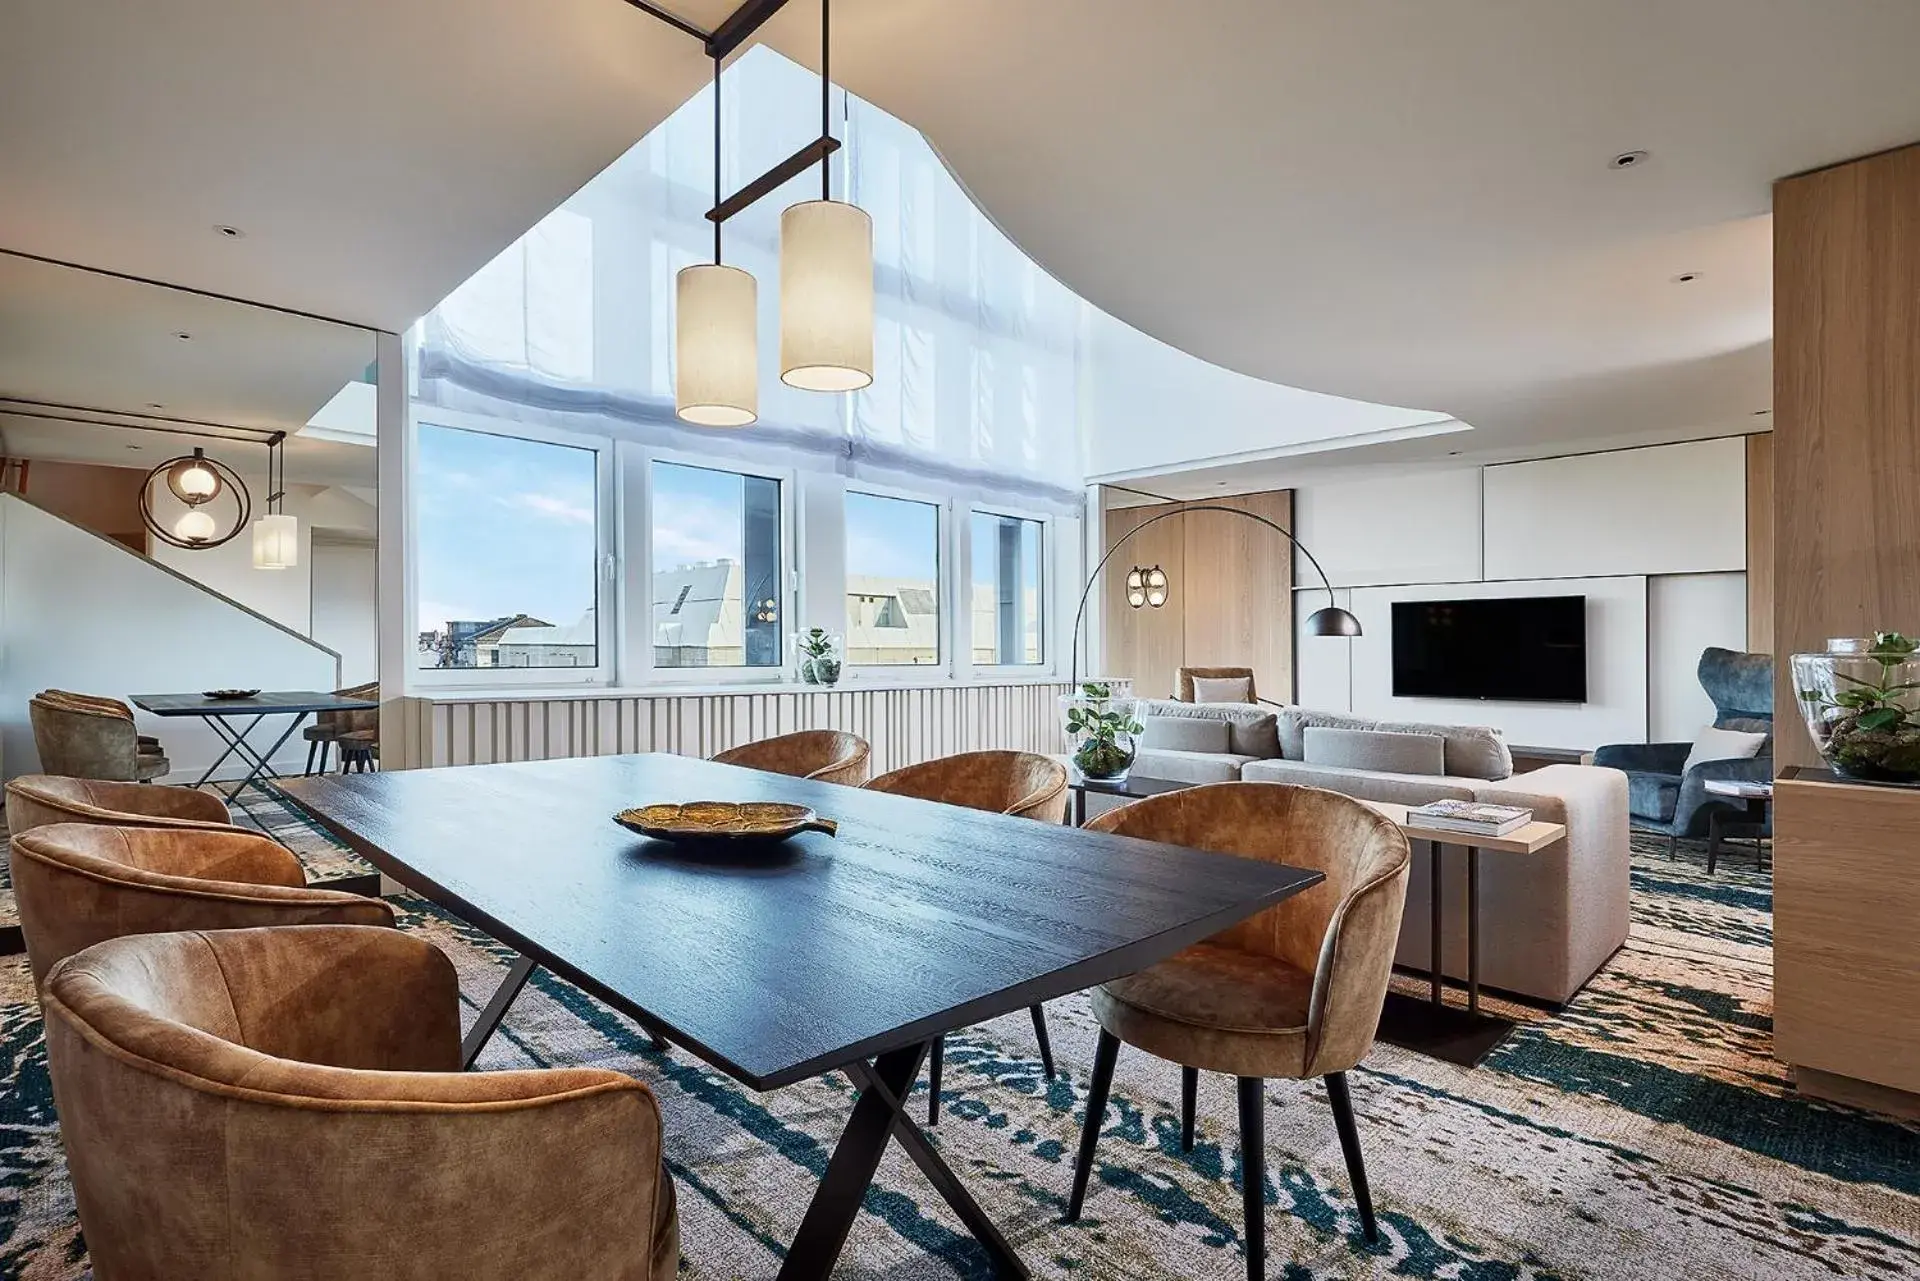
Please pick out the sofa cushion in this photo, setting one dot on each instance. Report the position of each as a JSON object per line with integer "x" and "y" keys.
{"x": 1223, "y": 689}
{"x": 1187, "y": 734}
{"x": 1366, "y": 785}
{"x": 1652, "y": 796}
{"x": 1190, "y": 767}
{"x": 1372, "y": 749}
{"x": 1294, "y": 722}
{"x": 1472, "y": 751}
{"x": 1251, "y": 728}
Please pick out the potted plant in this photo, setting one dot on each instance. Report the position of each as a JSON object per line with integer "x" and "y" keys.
{"x": 819, "y": 656}
{"x": 1861, "y": 701}
{"x": 1100, "y": 731}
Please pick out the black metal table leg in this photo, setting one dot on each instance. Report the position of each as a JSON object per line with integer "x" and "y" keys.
{"x": 476, "y": 1038}
{"x": 878, "y": 1116}
{"x": 1473, "y": 929}
{"x": 220, "y": 727}
{"x": 1438, "y": 996}
{"x": 1079, "y": 807}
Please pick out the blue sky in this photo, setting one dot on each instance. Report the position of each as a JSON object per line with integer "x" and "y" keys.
{"x": 892, "y": 538}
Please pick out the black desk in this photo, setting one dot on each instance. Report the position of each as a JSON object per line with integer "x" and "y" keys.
{"x": 296, "y": 705}
{"x": 849, "y": 953}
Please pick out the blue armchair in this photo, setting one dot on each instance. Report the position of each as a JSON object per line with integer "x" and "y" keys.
{"x": 1660, "y": 798}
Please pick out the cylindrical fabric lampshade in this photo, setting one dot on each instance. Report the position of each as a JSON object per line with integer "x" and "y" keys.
{"x": 716, "y": 349}
{"x": 826, "y": 296}
{"x": 194, "y": 526}
{"x": 276, "y": 542}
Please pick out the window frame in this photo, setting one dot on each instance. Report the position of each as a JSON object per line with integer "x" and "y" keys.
{"x": 608, "y": 597}
{"x": 949, "y": 557}
{"x": 639, "y": 549}
{"x": 1048, "y": 588}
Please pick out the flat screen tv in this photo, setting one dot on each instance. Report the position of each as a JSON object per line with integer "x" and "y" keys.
{"x": 1529, "y": 649}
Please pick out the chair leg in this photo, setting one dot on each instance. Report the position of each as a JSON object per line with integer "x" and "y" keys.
{"x": 1189, "y": 1095}
{"x": 1253, "y": 1172}
{"x": 326, "y": 750}
{"x": 936, "y": 1059}
{"x": 1040, "y": 1034}
{"x": 1105, "y": 1055}
{"x": 1350, "y": 1148}
{"x": 313, "y": 749}
{"x": 1673, "y": 845}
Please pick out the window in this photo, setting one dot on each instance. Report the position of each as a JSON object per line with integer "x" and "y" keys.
{"x": 509, "y": 551}
{"x": 716, "y": 568}
{"x": 1007, "y": 590}
{"x": 893, "y": 581}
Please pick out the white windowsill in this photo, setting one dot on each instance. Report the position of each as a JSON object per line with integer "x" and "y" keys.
{"x": 563, "y": 693}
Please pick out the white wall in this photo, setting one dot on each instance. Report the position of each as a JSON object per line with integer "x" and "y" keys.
{"x": 345, "y": 619}
{"x": 79, "y": 612}
{"x": 284, "y": 595}
{"x": 1654, "y": 537}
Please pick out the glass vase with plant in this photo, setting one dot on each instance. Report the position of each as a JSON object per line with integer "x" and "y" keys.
{"x": 1101, "y": 727}
{"x": 1861, "y": 702}
{"x": 819, "y": 656}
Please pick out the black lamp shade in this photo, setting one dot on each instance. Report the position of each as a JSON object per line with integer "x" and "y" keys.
{"x": 1332, "y": 621}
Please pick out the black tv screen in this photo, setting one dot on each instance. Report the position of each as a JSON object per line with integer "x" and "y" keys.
{"x": 1521, "y": 649}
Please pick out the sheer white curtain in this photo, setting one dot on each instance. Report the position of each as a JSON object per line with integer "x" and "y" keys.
{"x": 976, "y": 348}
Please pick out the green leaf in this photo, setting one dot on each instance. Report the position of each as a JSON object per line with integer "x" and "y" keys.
{"x": 1880, "y": 718}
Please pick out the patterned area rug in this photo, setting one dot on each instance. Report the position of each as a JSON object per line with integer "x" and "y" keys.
{"x": 1642, "y": 1132}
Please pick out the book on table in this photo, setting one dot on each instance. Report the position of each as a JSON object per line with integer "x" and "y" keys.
{"x": 1476, "y": 818}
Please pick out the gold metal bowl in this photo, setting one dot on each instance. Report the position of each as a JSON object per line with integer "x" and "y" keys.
{"x": 707, "y": 821}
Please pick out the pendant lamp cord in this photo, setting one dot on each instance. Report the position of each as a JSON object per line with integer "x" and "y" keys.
{"x": 716, "y": 159}
{"x": 826, "y": 110}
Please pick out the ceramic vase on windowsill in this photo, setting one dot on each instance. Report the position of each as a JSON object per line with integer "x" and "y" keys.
{"x": 820, "y": 656}
{"x": 1861, "y": 702}
{"x": 1101, "y": 722}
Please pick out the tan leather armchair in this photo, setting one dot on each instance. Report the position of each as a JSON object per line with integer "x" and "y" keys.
{"x": 1293, "y": 992}
{"x": 289, "y": 1103}
{"x": 1019, "y": 783}
{"x": 77, "y": 884}
{"x": 828, "y": 755}
{"x": 34, "y": 800}
{"x": 85, "y": 736}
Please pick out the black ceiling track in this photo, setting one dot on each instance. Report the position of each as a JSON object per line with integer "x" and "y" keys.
{"x": 729, "y": 35}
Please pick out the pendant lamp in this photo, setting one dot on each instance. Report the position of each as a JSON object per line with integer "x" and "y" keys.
{"x": 716, "y": 346}
{"x": 276, "y": 535}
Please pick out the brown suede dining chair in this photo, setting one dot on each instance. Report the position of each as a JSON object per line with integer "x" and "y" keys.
{"x": 37, "y": 799}
{"x": 289, "y": 1103}
{"x": 826, "y": 755}
{"x": 1294, "y": 992}
{"x": 86, "y": 736}
{"x": 77, "y": 884}
{"x": 1020, "y": 783}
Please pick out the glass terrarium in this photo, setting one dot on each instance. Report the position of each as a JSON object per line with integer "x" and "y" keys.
{"x": 820, "y": 655}
{"x": 1102, "y": 726}
{"x": 1861, "y": 702}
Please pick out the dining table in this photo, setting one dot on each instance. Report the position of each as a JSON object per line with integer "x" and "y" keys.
{"x": 255, "y": 707}
{"x": 777, "y": 963}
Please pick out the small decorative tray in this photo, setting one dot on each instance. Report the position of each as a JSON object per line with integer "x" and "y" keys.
{"x": 706, "y": 821}
{"x": 228, "y": 693}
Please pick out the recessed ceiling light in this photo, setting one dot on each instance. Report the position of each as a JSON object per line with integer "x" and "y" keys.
{"x": 1686, "y": 278}
{"x": 1761, "y": 412}
{"x": 1453, "y": 453}
{"x": 183, "y": 335}
{"x": 231, "y": 233}
{"x": 154, "y": 404}
{"x": 1628, "y": 160}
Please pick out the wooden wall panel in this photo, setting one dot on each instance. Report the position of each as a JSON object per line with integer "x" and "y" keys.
{"x": 902, "y": 725}
{"x": 1239, "y": 598}
{"x": 1846, "y": 410}
{"x": 1230, "y": 602}
{"x": 1760, "y": 543}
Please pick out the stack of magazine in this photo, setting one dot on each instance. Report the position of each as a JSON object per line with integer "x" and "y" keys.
{"x": 1472, "y": 817}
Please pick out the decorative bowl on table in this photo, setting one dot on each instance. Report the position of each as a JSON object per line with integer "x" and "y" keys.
{"x": 228, "y": 694}
{"x": 733, "y": 822}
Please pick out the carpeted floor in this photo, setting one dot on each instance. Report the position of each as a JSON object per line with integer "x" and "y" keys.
{"x": 1643, "y": 1132}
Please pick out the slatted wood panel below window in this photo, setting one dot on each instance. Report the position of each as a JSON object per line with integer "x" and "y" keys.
{"x": 903, "y": 725}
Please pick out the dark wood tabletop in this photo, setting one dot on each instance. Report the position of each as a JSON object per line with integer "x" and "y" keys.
{"x": 266, "y": 702}
{"x": 916, "y": 919}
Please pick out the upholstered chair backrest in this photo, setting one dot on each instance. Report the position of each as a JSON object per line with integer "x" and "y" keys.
{"x": 1185, "y": 677}
{"x": 1343, "y": 931}
{"x": 84, "y": 739}
{"x": 828, "y": 755}
{"x": 37, "y": 799}
{"x": 1022, "y": 783}
{"x": 1741, "y": 687}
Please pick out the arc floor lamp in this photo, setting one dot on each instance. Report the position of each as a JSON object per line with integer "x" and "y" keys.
{"x": 1329, "y": 620}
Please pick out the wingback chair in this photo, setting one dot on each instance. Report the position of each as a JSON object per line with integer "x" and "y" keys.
{"x": 289, "y": 1103}
{"x": 77, "y": 884}
{"x": 827, "y": 755}
{"x": 84, "y": 736}
{"x": 1019, "y": 783}
{"x": 1293, "y": 992}
{"x": 1665, "y": 797}
{"x": 37, "y": 799}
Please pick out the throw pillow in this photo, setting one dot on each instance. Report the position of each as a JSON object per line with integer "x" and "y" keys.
{"x": 1380, "y": 751}
{"x": 1712, "y": 744}
{"x": 1294, "y": 722}
{"x": 1252, "y": 730}
{"x": 1186, "y": 734}
{"x": 1223, "y": 689}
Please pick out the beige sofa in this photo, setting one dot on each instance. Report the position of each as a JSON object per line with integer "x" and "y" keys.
{"x": 1548, "y": 920}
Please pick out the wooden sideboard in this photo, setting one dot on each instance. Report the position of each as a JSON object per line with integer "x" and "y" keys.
{"x": 1846, "y": 939}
